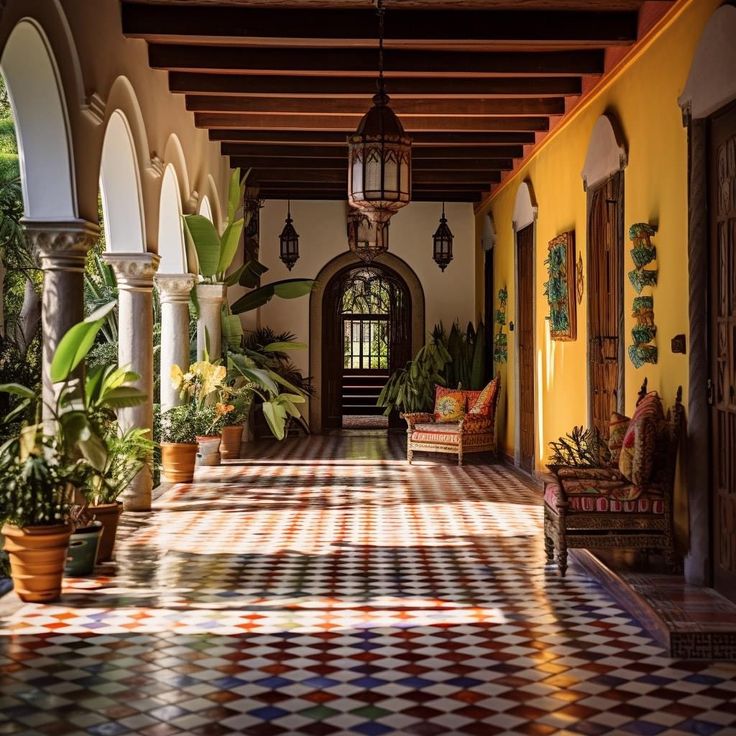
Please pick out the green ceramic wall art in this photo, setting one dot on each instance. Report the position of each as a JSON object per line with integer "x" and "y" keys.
{"x": 560, "y": 287}
{"x": 644, "y": 331}
{"x": 500, "y": 343}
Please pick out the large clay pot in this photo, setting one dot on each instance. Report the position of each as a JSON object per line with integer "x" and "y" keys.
{"x": 108, "y": 514}
{"x": 208, "y": 452}
{"x": 232, "y": 438}
{"x": 37, "y": 555}
{"x": 177, "y": 460}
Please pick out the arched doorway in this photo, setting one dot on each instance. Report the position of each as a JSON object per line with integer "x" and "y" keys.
{"x": 366, "y": 335}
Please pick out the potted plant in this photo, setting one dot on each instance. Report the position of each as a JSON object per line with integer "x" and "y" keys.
{"x": 178, "y": 444}
{"x": 36, "y": 495}
{"x": 241, "y": 399}
{"x": 84, "y": 543}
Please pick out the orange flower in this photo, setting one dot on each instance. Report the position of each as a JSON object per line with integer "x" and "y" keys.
{"x": 223, "y": 409}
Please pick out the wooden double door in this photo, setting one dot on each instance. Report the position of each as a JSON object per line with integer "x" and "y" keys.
{"x": 722, "y": 342}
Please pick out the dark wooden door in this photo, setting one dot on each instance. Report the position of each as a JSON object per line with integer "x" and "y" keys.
{"x": 723, "y": 347}
{"x": 525, "y": 326}
{"x": 605, "y": 294}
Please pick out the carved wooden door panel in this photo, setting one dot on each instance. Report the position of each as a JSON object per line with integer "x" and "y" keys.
{"x": 723, "y": 347}
{"x": 525, "y": 326}
{"x": 605, "y": 287}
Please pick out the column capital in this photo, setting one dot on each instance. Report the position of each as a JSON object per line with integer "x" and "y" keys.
{"x": 215, "y": 293}
{"x": 133, "y": 270}
{"x": 174, "y": 287}
{"x": 62, "y": 245}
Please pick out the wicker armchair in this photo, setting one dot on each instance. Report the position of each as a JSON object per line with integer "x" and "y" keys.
{"x": 600, "y": 508}
{"x": 473, "y": 433}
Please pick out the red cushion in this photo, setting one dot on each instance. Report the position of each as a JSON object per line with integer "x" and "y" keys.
{"x": 645, "y": 504}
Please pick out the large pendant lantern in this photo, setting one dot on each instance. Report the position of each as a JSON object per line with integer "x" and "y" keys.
{"x": 442, "y": 242}
{"x": 289, "y": 241}
{"x": 379, "y": 155}
{"x": 367, "y": 239}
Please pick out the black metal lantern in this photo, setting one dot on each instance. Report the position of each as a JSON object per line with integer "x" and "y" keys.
{"x": 442, "y": 242}
{"x": 289, "y": 240}
{"x": 366, "y": 238}
{"x": 379, "y": 155}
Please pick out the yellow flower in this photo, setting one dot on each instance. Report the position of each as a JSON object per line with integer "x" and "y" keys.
{"x": 177, "y": 377}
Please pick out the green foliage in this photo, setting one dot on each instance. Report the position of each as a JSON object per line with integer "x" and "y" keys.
{"x": 176, "y": 426}
{"x": 469, "y": 366}
{"x": 411, "y": 388}
{"x": 581, "y": 448}
{"x": 285, "y": 289}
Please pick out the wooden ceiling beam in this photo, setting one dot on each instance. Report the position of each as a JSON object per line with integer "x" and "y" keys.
{"x": 247, "y": 85}
{"x": 258, "y": 151}
{"x": 339, "y": 139}
{"x": 339, "y": 195}
{"x": 348, "y": 123}
{"x": 330, "y": 176}
{"x": 340, "y": 164}
{"x": 460, "y": 107}
{"x": 349, "y": 62}
{"x": 335, "y": 26}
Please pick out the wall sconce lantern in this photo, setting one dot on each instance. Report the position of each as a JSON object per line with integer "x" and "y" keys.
{"x": 442, "y": 242}
{"x": 379, "y": 155}
{"x": 289, "y": 241}
{"x": 367, "y": 239}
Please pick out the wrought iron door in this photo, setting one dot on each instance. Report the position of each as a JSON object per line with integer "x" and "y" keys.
{"x": 525, "y": 327}
{"x": 605, "y": 294}
{"x": 723, "y": 347}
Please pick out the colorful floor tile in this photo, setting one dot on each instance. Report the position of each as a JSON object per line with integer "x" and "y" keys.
{"x": 323, "y": 586}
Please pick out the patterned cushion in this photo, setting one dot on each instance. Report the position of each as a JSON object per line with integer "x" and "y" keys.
{"x": 640, "y": 441}
{"x": 484, "y": 402}
{"x": 616, "y": 430}
{"x": 449, "y": 405}
{"x": 444, "y": 433}
{"x": 645, "y": 504}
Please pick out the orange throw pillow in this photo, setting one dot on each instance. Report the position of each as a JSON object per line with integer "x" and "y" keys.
{"x": 449, "y": 405}
{"x": 484, "y": 402}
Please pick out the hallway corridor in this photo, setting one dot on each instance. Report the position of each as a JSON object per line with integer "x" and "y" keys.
{"x": 326, "y": 587}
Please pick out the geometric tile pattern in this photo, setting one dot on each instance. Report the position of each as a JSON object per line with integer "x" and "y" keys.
{"x": 326, "y": 587}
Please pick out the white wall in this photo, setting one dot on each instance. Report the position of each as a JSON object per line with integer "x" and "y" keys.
{"x": 322, "y": 236}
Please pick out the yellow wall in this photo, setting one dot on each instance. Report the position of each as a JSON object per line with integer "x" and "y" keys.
{"x": 643, "y": 97}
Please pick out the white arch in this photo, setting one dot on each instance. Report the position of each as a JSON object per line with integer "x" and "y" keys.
{"x": 525, "y": 207}
{"x": 711, "y": 83}
{"x": 205, "y": 209}
{"x": 606, "y": 152}
{"x": 174, "y": 154}
{"x": 171, "y": 245}
{"x": 44, "y": 140}
{"x": 120, "y": 184}
{"x": 214, "y": 196}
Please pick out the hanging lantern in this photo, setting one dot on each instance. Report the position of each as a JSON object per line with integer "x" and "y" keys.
{"x": 379, "y": 155}
{"x": 442, "y": 242}
{"x": 289, "y": 241}
{"x": 367, "y": 239}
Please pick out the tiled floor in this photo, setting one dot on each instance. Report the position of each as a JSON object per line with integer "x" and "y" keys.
{"x": 325, "y": 587}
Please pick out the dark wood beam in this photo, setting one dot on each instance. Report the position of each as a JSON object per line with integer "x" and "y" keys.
{"x": 320, "y": 26}
{"x": 330, "y": 176}
{"x": 348, "y": 62}
{"x": 460, "y": 107}
{"x": 349, "y": 123}
{"x": 340, "y": 164}
{"x": 340, "y": 196}
{"x": 401, "y": 87}
{"x": 258, "y": 151}
{"x": 339, "y": 139}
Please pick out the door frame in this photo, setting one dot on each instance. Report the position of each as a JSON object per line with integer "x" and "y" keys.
{"x": 525, "y": 215}
{"x": 621, "y": 230}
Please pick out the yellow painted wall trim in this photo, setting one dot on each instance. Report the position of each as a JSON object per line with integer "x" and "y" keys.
{"x": 592, "y": 95}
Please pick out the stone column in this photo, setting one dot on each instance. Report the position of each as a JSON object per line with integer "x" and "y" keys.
{"x": 134, "y": 273}
{"x": 211, "y": 298}
{"x": 173, "y": 292}
{"x": 62, "y": 248}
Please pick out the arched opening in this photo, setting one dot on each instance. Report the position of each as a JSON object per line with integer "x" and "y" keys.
{"x": 525, "y": 214}
{"x": 366, "y": 327}
{"x": 120, "y": 189}
{"x": 205, "y": 209}
{"x": 603, "y": 180}
{"x": 171, "y": 245}
{"x": 44, "y": 141}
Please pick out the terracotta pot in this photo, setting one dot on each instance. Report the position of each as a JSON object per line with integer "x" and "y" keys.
{"x": 108, "y": 514}
{"x": 178, "y": 461}
{"x": 208, "y": 452}
{"x": 37, "y": 555}
{"x": 232, "y": 438}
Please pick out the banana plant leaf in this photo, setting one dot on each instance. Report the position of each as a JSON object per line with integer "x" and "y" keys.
{"x": 251, "y": 273}
{"x": 286, "y": 289}
{"x": 206, "y": 243}
{"x": 229, "y": 245}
